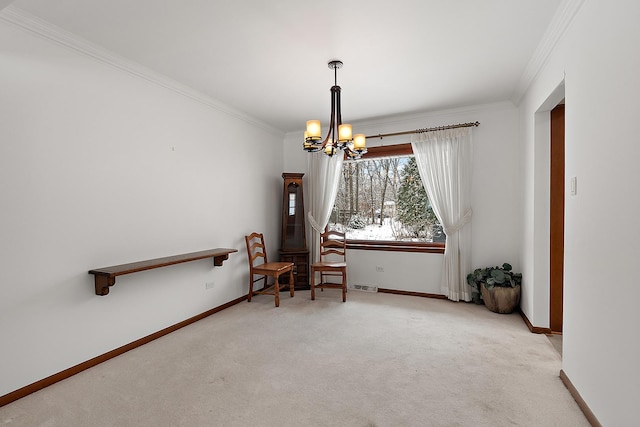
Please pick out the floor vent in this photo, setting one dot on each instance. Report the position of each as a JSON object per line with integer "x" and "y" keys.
{"x": 366, "y": 288}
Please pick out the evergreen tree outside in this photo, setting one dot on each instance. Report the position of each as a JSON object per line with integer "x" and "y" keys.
{"x": 414, "y": 210}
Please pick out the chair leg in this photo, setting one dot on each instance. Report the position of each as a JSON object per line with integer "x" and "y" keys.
{"x": 291, "y": 284}
{"x": 250, "y": 288}
{"x": 313, "y": 285}
{"x": 277, "y": 291}
{"x": 344, "y": 286}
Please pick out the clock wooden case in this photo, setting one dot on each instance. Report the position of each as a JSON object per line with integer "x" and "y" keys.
{"x": 293, "y": 242}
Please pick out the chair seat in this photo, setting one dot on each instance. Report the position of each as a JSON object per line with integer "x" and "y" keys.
{"x": 272, "y": 267}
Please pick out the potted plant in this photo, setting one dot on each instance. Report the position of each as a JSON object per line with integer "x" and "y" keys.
{"x": 498, "y": 287}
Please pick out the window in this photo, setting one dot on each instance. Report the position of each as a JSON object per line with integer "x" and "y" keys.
{"x": 382, "y": 205}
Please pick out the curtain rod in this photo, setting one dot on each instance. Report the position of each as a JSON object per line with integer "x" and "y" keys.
{"x": 459, "y": 125}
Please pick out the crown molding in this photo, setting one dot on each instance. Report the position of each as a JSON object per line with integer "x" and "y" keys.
{"x": 55, "y": 34}
{"x": 559, "y": 24}
{"x": 5, "y": 3}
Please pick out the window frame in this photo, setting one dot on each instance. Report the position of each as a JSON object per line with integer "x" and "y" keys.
{"x": 393, "y": 245}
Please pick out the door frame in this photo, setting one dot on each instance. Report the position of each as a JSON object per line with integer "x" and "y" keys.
{"x": 556, "y": 218}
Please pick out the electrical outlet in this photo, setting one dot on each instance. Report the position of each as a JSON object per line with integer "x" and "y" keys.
{"x": 379, "y": 269}
{"x": 208, "y": 285}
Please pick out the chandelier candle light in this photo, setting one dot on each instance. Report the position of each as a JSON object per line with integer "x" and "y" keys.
{"x": 340, "y": 136}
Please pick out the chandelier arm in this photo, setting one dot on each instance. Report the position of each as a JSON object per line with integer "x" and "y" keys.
{"x": 338, "y": 112}
{"x": 338, "y": 144}
{"x": 330, "y": 133}
{"x": 335, "y": 90}
{"x": 337, "y": 121}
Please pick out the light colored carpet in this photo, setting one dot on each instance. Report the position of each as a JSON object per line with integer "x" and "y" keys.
{"x": 556, "y": 342}
{"x": 376, "y": 360}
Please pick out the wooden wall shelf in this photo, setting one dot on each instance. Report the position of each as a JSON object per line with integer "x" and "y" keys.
{"x": 106, "y": 276}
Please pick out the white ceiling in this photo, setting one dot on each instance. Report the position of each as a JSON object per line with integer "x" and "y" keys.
{"x": 268, "y": 58}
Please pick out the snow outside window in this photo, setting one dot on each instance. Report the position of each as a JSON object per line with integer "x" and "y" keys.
{"x": 382, "y": 199}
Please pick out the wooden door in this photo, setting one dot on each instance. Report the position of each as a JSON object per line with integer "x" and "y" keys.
{"x": 557, "y": 186}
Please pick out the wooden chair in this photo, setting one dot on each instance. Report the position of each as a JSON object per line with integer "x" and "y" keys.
{"x": 256, "y": 249}
{"x": 333, "y": 263}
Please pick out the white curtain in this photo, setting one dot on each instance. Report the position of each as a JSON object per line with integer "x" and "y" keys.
{"x": 444, "y": 163}
{"x": 324, "y": 177}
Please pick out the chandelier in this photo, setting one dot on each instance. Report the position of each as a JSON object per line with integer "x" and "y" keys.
{"x": 339, "y": 135}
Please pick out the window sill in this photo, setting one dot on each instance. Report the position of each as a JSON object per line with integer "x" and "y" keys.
{"x": 394, "y": 246}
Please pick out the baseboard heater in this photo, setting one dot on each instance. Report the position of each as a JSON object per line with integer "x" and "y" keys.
{"x": 366, "y": 288}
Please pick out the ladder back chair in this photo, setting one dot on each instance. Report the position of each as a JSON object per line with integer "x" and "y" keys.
{"x": 259, "y": 266}
{"x": 333, "y": 263}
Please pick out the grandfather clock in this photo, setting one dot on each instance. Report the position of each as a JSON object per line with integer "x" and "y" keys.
{"x": 293, "y": 244}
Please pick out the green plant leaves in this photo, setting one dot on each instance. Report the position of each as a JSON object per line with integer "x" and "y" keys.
{"x": 494, "y": 276}
{"x": 498, "y": 276}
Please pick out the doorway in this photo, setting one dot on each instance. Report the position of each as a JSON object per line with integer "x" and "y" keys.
{"x": 556, "y": 220}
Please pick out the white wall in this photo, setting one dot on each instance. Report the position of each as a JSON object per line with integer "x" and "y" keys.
{"x": 496, "y": 190}
{"x": 99, "y": 167}
{"x": 601, "y": 345}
